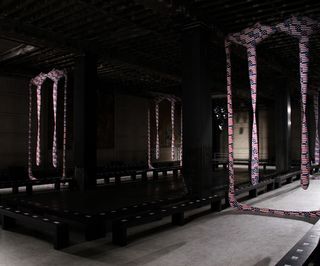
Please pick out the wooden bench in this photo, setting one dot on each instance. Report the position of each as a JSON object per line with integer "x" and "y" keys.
{"x": 305, "y": 251}
{"x": 217, "y": 162}
{"x": 224, "y": 163}
{"x": 58, "y": 229}
{"x": 268, "y": 184}
{"x": 176, "y": 211}
{"x": 118, "y": 169}
{"x": 16, "y": 184}
{"x": 94, "y": 224}
{"x": 288, "y": 178}
{"x": 117, "y": 175}
{"x": 164, "y": 171}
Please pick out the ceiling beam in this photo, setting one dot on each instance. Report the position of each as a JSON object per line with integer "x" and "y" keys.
{"x": 29, "y": 34}
{"x": 26, "y": 33}
{"x": 18, "y": 51}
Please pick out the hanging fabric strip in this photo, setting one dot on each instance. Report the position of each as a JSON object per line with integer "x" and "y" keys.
{"x": 38, "y": 148}
{"x": 252, "y": 64}
{"x": 37, "y": 81}
{"x": 304, "y": 60}
{"x": 232, "y": 199}
{"x": 172, "y": 129}
{"x": 249, "y": 38}
{"x": 181, "y": 135}
{"x": 316, "y": 116}
{"x": 157, "y": 131}
{"x": 54, "y": 144}
{"x": 301, "y": 29}
{"x": 64, "y": 152}
{"x": 149, "y": 141}
{"x": 55, "y": 75}
{"x": 30, "y": 134}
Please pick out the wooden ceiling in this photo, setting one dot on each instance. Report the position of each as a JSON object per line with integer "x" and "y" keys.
{"x": 138, "y": 41}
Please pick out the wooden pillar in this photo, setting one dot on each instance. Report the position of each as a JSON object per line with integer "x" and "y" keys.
{"x": 197, "y": 110}
{"x": 85, "y": 117}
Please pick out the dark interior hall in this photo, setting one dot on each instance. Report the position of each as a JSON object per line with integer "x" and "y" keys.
{"x": 159, "y": 132}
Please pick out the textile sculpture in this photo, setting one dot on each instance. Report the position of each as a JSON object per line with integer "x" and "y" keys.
{"x": 54, "y": 75}
{"x": 157, "y": 101}
{"x": 300, "y": 28}
{"x": 316, "y": 116}
{"x": 36, "y": 81}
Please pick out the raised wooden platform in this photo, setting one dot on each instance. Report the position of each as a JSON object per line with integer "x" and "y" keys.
{"x": 306, "y": 251}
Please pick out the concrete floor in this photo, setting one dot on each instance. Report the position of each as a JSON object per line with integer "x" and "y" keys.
{"x": 225, "y": 238}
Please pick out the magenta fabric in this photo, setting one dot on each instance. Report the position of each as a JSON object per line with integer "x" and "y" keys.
{"x": 302, "y": 28}
{"x": 55, "y": 76}
{"x": 172, "y": 99}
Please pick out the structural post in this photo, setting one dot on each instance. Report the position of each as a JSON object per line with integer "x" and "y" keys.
{"x": 197, "y": 110}
{"x": 283, "y": 128}
{"x": 85, "y": 117}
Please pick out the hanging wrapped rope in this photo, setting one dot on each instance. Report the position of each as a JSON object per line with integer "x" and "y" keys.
{"x": 172, "y": 129}
{"x": 55, "y": 75}
{"x": 38, "y": 149}
{"x": 36, "y": 81}
{"x": 252, "y": 63}
{"x": 249, "y": 38}
{"x": 64, "y": 152}
{"x": 301, "y": 29}
{"x": 157, "y": 131}
{"x": 181, "y": 135}
{"x": 232, "y": 199}
{"x": 149, "y": 140}
{"x": 316, "y": 116}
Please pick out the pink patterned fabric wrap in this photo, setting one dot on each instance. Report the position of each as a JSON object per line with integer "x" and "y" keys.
{"x": 181, "y": 135}
{"x": 299, "y": 25}
{"x": 316, "y": 116}
{"x": 172, "y": 99}
{"x": 55, "y": 76}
